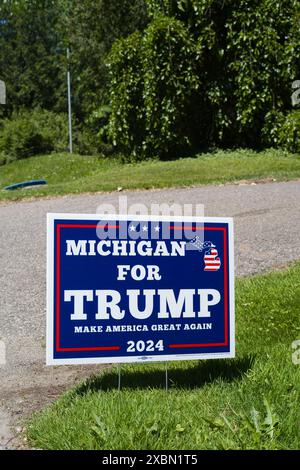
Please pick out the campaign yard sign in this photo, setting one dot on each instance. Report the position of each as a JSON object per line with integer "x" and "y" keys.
{"x": 139, "y": 289}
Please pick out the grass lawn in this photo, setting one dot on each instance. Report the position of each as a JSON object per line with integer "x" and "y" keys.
{"x": 70, "y": 174}
{"x": 251, "y": 402}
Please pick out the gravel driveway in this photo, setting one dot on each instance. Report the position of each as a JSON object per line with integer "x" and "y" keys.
{"x": 267, "y": 227}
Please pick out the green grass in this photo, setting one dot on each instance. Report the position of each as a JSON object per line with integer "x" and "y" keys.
{"x": 250, "y": 402}
{"x": 77, "y": 174}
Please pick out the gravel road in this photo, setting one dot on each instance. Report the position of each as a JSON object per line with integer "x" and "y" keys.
{"x": 267, "y": 227}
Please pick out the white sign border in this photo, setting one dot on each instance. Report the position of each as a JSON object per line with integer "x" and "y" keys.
{"x": 51, "y": 361}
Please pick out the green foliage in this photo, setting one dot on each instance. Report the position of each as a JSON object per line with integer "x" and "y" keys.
{"x": 226, "y": 64}
{"x": 273, "y": 123}
{"x": 98, "y": 123}
{"x": 262, "y": 61}
{"x": 153, "y": 82}
{"x": 32, "y": 133}
{"x": 3, "y": 158}
{"x": 30, "y": 65}
{"x": 283, "y": 130}
{"x": 91, "y": 138}
{"x": 34, "y": 36}
{"x": 183, "y": 75}
{"x": 90, "y": 142}
{"x": 170, "y": 82}
{"x": 127, "y": 122}
{"x": 289, "y": 133}
{"x": 93, "y": 27}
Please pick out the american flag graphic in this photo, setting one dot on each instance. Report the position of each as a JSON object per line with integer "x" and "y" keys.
{"x": 212, "y": 261}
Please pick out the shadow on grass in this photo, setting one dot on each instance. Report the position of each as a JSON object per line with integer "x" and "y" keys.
{"x": 184, "y": 377}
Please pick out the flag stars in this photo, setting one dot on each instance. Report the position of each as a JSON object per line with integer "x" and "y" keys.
{"x": 144, "y": 228}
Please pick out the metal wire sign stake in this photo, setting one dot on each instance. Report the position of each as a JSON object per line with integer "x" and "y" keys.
{"x": 167, "y": 378}
{"x": 119, "y": 377}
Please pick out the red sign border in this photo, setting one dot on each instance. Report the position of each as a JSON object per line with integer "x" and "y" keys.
{"x": 117, "y": 348}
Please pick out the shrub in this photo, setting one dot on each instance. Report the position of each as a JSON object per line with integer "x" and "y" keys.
{"x": 54, "y": 127}
{"x": 126, "y": 124}
{"x": 30, "y": 133}
{"x": 204, "y": 73}
{"x": 98, "y": 123}
{"x": 89, "y": 142}
{"x": 170, "y": 83}
{"x": 3, "y": 158}
{"x": 283, "y": 130}
{"x": 153, "y": 80}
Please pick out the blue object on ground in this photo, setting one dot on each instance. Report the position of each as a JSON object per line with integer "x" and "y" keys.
{"x": 25, "y": 184}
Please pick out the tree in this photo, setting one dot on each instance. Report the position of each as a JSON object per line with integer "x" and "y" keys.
{"x": 34, "y": 36}
{"x": 243, "y": 55}
{"x": 93, "y": 26}
{"x": 29, "y": 63}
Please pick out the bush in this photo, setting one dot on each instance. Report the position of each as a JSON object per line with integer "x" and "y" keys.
{"x": 30, "y": 133}
{"x": 126, "y": 125}
{"x": 97, "y": 122}
{"x": 153, "y": 80}
{"x": 204, "y": 73}
{"x": 170, "y": 84}
{"x": 89, "y": 142}
{"x": 3, "y": 158}
{"x": 283, "y": 130}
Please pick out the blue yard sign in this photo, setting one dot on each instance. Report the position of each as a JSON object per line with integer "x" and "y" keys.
{"x": 139, "y": 289}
